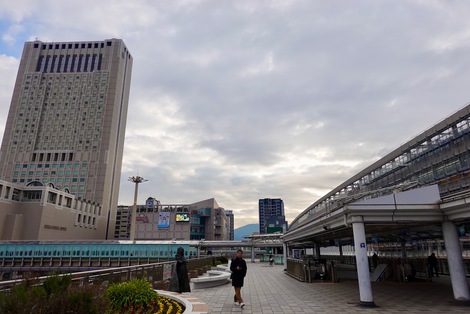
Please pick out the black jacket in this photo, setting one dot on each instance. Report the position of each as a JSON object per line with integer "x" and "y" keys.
{"x": 238, "y": 274}
{"x": 180, "y": 280}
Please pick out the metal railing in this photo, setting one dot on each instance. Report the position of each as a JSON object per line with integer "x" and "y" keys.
{"x": 295, "y": 269}
{"x": 157, "y": 272}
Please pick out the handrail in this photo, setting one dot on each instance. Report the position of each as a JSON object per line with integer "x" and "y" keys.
{"x": 152, "y": 272}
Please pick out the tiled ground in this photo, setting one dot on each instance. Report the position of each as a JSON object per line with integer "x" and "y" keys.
{"x": 269, "y": 290}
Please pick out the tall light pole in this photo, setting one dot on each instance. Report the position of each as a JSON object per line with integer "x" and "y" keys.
{"x": 136, "y": 180}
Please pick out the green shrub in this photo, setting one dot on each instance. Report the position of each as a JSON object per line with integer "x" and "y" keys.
{"x": 86, "y": 299}
{"x": 76, "y": 300}
{"x": 134, "y": 293}
{"x": 25, "y": 298}
{"x": 37, "y": 292}
{"x": 17, "y": 300}
{"x": 56, "y": 284}
{"x": 222, "y": 260}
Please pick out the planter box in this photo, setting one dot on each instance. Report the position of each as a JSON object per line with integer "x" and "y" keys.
{"x": 161, "y": 285}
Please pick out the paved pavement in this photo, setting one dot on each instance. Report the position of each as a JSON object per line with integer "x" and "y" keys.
{"x": 269, "y": 290}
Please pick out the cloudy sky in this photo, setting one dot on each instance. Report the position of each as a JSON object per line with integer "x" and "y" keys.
{"x": 242, "y": 100}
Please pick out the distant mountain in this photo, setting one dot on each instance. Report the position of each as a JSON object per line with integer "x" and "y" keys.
{"x": 239, "y": 233}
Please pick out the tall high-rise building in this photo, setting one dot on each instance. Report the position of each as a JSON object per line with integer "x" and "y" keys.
{"x": 231, "y": 219}
{"x": 269, "y": 207}
{"x": 67, "y": 120}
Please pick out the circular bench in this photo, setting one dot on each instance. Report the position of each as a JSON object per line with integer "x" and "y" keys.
{"x": 214, "y": 278}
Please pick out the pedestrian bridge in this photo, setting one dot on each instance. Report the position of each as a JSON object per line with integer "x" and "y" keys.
{"x": 418, "y": 194}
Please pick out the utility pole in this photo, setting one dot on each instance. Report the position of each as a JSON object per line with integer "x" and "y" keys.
{"x": 135, "y": 180}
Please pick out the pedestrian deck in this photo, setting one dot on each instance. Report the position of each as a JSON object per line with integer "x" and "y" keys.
{"x": 269, "y": 290}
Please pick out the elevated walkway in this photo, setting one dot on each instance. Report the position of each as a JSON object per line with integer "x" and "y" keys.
{"x": 268, "y": 289}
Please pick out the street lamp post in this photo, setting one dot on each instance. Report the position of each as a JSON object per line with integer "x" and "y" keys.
{"x": 135, "y": 180}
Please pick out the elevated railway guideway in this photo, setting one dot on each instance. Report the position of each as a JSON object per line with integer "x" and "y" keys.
{"x": 418, "y": 192}
{"x": 241, "y": 244}
{"x": 73, "y": 256}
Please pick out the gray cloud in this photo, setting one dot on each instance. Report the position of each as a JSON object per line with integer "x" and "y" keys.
{"x": 241, "y": 100}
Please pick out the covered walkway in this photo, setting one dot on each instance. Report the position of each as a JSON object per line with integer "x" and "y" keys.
{"x": 268, "y": 290}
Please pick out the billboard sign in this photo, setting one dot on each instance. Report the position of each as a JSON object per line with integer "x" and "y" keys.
{"x": 142, "y": 217}
{"x": 163, "y": 220}
{"x": 184, "y": 217}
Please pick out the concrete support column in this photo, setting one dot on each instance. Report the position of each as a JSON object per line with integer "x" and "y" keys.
{"x": 284, "y": 254}
{"x": 317, "y": 250}
{"x": 252, "y": 252}
{"x": 403, "y": 249}
{"x": 340, "y": 246}
{"x": 455, "y": 261}
{"x": 362, "y": 261}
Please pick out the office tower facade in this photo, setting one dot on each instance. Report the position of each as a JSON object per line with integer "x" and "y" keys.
{"x": 231, "y": 222}
{"x": 269, "y": 207}
{"x": 66, "y": 124}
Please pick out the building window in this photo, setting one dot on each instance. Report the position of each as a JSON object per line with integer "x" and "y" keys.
{"x": 80, "y": 59}
{"x": 39, "y": 64}
{"x": 72, "y": 66}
